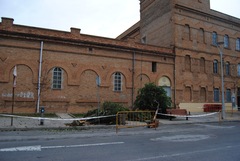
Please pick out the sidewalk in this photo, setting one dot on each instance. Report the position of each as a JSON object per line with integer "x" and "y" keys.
{"x": 33, "y": 124}
{"x": 30, "y": 129}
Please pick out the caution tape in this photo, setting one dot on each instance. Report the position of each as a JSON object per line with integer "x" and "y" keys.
{"x": 56, "y": 119}
{"x": 190, "y": 116}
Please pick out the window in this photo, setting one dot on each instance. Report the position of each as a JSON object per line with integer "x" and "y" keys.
{"x": 238, "y": 70}
{"x": 227, "y": 67}
{"x": 216, "y": 95}
{"x": 57, "y": 78}
{"x": 154, "y": 67}
{"x": 166, "y": 84}
{"x": 226, "y": 41}
{"x": 228, "y": 95}
{"x": 187, "y": 63}
{"x": 144, "y": 40}
{"x": 202, "y": 65}
{"x": 215, "y": 66}
{"x": 117, "y": 82}
{"x": 201, "y": 35}
{"x": 187, "y": 33}
{"x": 238, "y": 44}
{"x": 214, "y": 38}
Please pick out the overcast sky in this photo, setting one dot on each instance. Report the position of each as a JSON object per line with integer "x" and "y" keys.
{"x": 107, "y": 18}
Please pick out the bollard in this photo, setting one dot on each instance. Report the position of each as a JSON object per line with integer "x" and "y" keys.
{"x": 188, "y": 114}
{"x": 170, "y": 117}
{"x": 42, "y": 110}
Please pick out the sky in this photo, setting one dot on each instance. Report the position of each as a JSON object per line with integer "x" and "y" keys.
{"x": 106, "y": 18}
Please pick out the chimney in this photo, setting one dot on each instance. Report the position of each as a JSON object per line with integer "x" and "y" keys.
{"x": 8, "y": 22}
{"x": 75, "y": 31}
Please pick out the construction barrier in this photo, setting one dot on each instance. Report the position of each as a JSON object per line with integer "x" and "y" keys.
{"x": 212, "y": 107}
{"x": 131, "y": 119}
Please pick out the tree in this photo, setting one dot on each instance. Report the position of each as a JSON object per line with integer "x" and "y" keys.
{"x": 150, "y": 96}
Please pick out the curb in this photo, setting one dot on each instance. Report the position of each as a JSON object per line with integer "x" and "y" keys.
{"x": 59, "y": 128}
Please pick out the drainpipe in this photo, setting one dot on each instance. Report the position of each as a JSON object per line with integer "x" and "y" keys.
{"x": 133, "y": 73}
{"x": 39, "y": 77}
{"x": 174, "y": 75}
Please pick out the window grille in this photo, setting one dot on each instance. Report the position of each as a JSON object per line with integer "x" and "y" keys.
{"x": 117, "y": 81}
{"x": 57, "y": 78}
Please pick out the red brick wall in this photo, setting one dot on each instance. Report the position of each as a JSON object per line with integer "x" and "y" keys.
{"x": 81, "y": 62}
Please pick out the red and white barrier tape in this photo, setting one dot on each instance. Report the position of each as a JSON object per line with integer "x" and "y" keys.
{"x": 56, "y": 119}
{"x": 190, "y": 116}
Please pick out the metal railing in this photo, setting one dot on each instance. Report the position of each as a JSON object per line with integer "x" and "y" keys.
{"x": 131, "y": 119}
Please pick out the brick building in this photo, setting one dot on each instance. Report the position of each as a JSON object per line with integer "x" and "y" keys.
{"x": 173, "y": 45}
{"x": 71, "y": 62}
{"x": 192, "y": 29}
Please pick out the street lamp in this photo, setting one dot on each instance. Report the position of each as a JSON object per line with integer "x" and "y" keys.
{"x": 221, "y": 57}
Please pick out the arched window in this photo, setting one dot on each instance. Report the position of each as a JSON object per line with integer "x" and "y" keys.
{"x": 228, "y": 95}
{"x": 187, "y": 63}
{"x": 117, "y": 81}
{"x": 202, "y": 94}
{"x": 202, "y": 65}
{"x": 214, "y": 38}
{"x": 216, "y": 94}
{"x": 188, "y": 94}
{"x": 57, "y": 78}
{"x": 215, "y": 66}
{"x": 166, "y": 84}
{"x": 226, "y": 41}
{"x": 227, "y": 67}
{"x": 238, "y": 70}
{"x": 201, "y": 35}
{"x": 238, "y": 44}
{"x": 187, "y": 32}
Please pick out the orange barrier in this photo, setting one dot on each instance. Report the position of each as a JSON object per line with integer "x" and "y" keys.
{"x": 131, "y": 119}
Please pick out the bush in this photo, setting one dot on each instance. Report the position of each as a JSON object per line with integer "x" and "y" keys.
{"x": 108, "y": 108}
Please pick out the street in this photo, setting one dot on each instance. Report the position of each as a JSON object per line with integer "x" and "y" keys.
{"x": 187, "y": 142}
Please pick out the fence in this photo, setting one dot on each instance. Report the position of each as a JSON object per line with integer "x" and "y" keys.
{"x": 131, "y": 119}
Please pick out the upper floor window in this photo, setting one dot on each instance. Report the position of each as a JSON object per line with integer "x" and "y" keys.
{"x": 187, "y": 63}
{"x": 144, "y": 40}
{"x": 215, "y": 66}
{"x": 117, "y": 81}
{"x": 238, "y": 70}
{"x": 187, "y": 33}
{"x": 57, "y": 78}
{"x": 201, "y": 35}
{"x": 214, "y": 38}
{"x": 226, "y": 41}
{"x": 154, "y": 67}
{"x": 202, "y": 65}
{"x": 238, "y": 44}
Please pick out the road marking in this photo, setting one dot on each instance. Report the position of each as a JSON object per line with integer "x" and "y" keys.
{"x": 82, "y": 145}
{"x": 216, "y": 126}
{"x": 181, "y": 138}
{"x": 23, "y": 148}
{"x": 39, "y": 147}
{"x": 187, "y": 153}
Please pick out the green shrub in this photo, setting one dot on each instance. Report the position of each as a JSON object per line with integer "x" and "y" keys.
{"x": 107, "y": 109}
{"x": 150, "y": 96}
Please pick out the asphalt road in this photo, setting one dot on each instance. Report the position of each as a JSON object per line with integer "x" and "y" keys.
{"x": 198, "y": 142}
